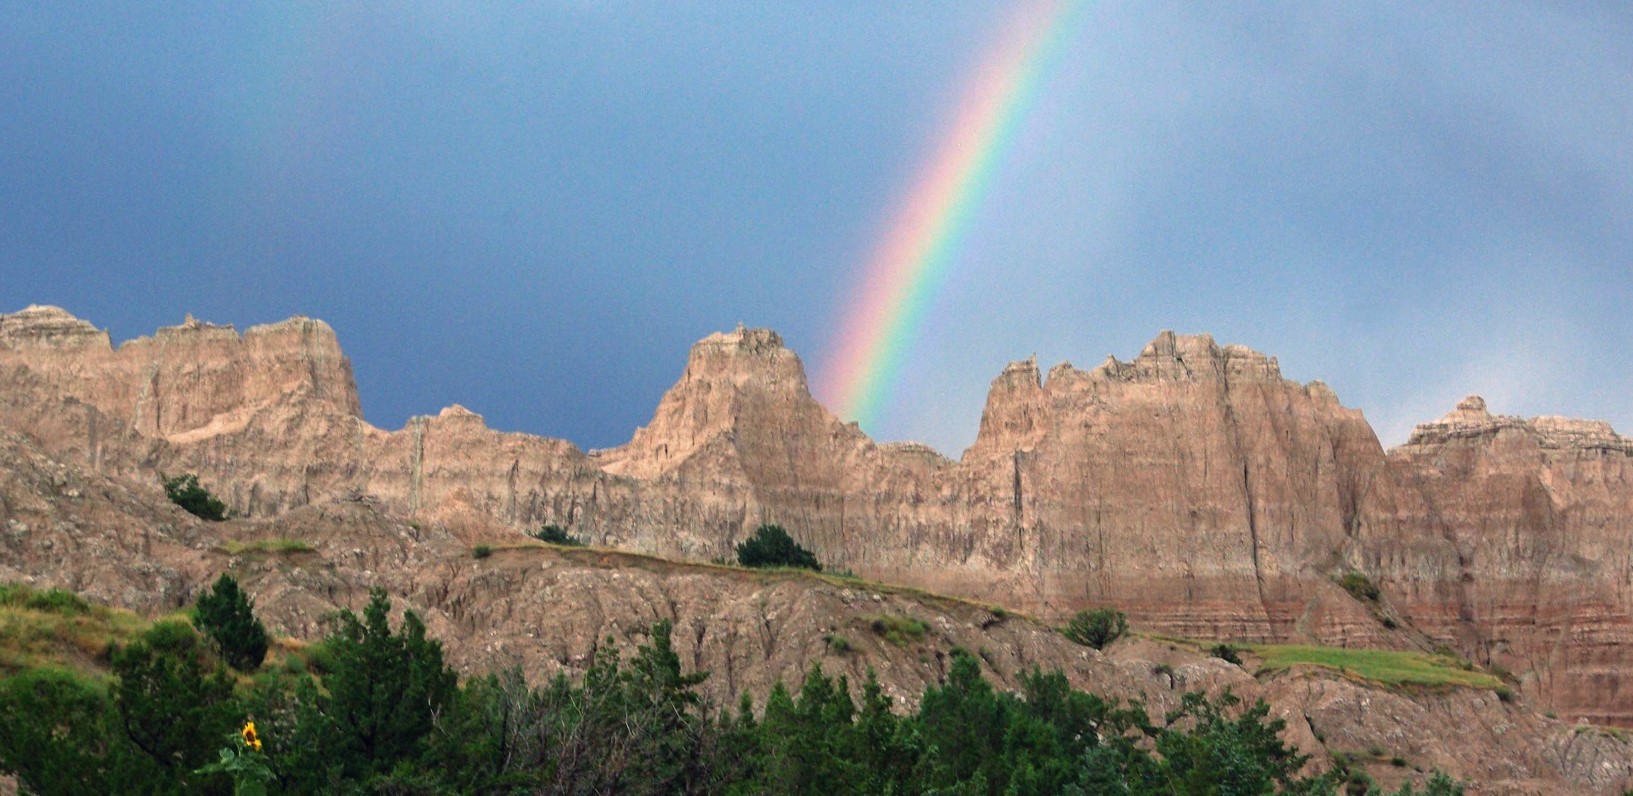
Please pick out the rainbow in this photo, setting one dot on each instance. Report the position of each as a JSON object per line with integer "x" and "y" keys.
{"x": 911, "y": 260}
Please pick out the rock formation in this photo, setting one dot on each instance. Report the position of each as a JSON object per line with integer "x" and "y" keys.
{"x": 546, "y": 610}
{"x": 1193, "y": 486}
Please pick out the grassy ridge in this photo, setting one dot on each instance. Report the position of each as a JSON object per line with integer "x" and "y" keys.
{"x": 237, "y": 547}
{"x": 1389, "y": 667}
{"x": 613, "y": 558}
{"x": 53, "y": 627}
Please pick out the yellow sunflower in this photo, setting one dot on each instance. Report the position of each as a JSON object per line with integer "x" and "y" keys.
{"x": 251, "y": 740}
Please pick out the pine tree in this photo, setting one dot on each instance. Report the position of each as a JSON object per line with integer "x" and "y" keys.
{"x": 384, "y": 689}
{"x": 226, "y": 615}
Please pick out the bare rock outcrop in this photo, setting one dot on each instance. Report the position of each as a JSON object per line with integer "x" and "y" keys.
{"x": 545, "y": 610}
{"x": 1193, "y": 486}
{"x": 1539, "y": 515}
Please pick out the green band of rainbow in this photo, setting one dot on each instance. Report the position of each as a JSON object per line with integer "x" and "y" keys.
{"x": 911, "y": 262}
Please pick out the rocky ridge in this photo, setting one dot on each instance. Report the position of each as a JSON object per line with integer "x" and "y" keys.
{"x": 545, "y": 609}
{"x": 1192, "y": 486}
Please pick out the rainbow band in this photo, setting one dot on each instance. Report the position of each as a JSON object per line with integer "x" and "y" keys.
{"x": 912, "y": 260}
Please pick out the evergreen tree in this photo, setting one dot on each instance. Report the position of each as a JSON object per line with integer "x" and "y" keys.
{"x": 184, "y": 491}
{"x": 382, "y": 690}
{"x": 175, "y": 702}
{"x": 771, "y": 546}
{"x": 1096, "y": 628}
{"x": 58, "y": 734}
{"x": 227, "y": 616}
{"x": 963, "y": 722}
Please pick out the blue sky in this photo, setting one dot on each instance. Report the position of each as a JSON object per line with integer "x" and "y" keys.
{"x": 533, "y": 209}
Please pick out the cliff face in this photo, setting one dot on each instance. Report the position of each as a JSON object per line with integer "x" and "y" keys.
{"x": 1192, "y": 487}
{"x": 1538, "y": 518}
{"x": 546, "y": 610}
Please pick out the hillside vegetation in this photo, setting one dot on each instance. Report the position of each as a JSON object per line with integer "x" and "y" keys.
{"x": 374, "y": 709}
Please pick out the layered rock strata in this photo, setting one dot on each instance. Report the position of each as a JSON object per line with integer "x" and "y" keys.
{"x": 1193, "y": 486}
{"x": 544, "y": 610}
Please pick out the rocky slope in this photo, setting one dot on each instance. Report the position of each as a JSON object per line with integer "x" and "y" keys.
{"x": 1192, "y": 486}
{"x": 546, "y": 609}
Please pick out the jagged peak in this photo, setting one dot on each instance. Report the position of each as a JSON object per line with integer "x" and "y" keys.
{"x": 1172, "y": 356}
{"x": 45, "y": 326}
{"x": 1471, "y": 419}
{"x": 1020, "y": 373}
{"x": 457, "y": 411}
{"x": 741, "y": 340}
{"x": 300, "y": 323}
{"x": 727, "y": 374}
{"x": 742, "y": 357}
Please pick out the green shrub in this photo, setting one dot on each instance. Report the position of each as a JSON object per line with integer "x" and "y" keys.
{"x": 1360, "y": 587}
{"x": 184, "y": 491}
{"x": 1096, "y": 628}
{"x": 227, "y": 616}
{"x": 555, "y": 534}
{"x": 51, "y": 601}
{"x": 837, "y": 644}
{"x": 1226, "y": 653}
{"x": 482, "y": 551}
{"x": 899, "y": 630}
{"x": 771, "y": 546}
{"x": 174, "y": 700}
{"x": 55, "y": 731}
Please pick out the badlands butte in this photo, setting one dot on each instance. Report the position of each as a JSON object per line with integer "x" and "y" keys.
{"x": 1192, "y": 487}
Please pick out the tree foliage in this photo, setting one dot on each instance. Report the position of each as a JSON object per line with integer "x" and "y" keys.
{"x": 771, "y": 546}
{"x": 555, "y": 534}
{"x": 59, "y": 733}
{"x": 382, "y": 691}
{"x": 227, "y": 616}
{"x": 1096, "y": 628}
{"x": 174, "y": 700}
{"x": 385, "y": 715}
{"x": 185, "y": 491}
{"x": 1360, "y": 587}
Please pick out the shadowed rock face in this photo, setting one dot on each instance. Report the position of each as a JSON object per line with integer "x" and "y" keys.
{"x": 1193, "y": 486}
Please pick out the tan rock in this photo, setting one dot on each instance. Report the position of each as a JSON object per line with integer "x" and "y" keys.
{"x": 1193, "y": 486}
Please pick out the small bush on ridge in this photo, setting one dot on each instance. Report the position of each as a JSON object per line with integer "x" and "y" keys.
{"x": 771, "y": 546}
{"x": 1096, "y": 628}
{"x": 184, "y": 491}
{"x": 555, "y": 534}
{"x": 1360, "y": 587}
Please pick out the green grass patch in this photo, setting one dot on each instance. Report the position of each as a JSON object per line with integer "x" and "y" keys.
{"x": 54, "y": 601}
{"x": 53, "y": 627}
{"x": 57, "y": 629}
{"x": 1388, "y": 667}
{"x": 237, "y": 547}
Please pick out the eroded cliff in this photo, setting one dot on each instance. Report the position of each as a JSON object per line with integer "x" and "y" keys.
{"x": 1193, "y": 486}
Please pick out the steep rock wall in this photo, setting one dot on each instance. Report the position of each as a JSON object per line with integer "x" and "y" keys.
{"x": 1193, "y": 487}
